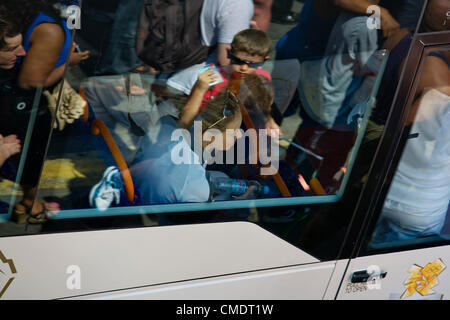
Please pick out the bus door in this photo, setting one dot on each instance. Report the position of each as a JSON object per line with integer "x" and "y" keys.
{"x": 403, "y": 252}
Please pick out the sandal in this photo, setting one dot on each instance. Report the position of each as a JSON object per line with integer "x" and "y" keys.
{"x": 39, "y": 217}
{"x": 23, "y": 216}
{"x": 20, "y": 216}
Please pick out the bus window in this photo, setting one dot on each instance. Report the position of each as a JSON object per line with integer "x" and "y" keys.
{"x": 271, "y": 136}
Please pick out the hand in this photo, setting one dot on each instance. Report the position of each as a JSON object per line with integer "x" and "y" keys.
{"x": 77, "y": 57}
{"x": 247, "y": 193}
{"x": 205, "y": 79}
{"x": 12, "y": 138}
{"x": 271, "y": 127}
{"x": 136, "y": 90}
{"x": 388, "y": 24}
{"x": 9, "y": 146}
{"x": 254, "y": 25}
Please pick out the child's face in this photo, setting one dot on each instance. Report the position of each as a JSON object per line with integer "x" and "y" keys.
{"x": 244, "y": 63}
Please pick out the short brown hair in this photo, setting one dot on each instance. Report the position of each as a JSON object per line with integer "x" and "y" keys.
{"x": 257, "y": 93}
{"x": 8, "y": 28}
{"x": 252, "y": 41}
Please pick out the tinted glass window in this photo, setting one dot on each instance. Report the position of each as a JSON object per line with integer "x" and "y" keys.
{"x": 240, "y": 124}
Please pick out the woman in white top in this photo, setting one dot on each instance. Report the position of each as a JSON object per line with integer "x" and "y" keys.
{"x": 418, "y": 199}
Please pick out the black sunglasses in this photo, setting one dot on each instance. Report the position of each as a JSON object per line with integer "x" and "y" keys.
{"x": 238, "y": 61}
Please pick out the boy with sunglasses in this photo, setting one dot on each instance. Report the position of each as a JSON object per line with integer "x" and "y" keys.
{"x": 247, "y": 54}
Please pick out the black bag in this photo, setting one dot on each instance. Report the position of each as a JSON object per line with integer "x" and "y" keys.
{"x": 168, "y": 35}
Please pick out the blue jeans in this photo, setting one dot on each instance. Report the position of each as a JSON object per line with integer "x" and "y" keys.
{"x": 120, "y": 55}
{"x": 388, "y": 231}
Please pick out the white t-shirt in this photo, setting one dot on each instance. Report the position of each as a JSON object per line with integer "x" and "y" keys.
{"x": 422, "y": 179}
{"x": 220, "y": 20}
{"x": 327, "y": 83}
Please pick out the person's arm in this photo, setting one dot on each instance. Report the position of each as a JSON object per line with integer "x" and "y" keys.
{"x": 272, "y": 125}
{"x": 192, "y": 107}
{"x": 222, "y": 54}
{"x": 436, "y": 75}
{"x": 58, "y": 73}
{"x": 54, "y": 76}
{"x": 388, "y": 24}
{"x": 262, "y": 15}
{"x": 38, "y": 65}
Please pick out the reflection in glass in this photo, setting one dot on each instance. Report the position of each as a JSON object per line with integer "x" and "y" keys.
{"x": 437, "y": 16}
{"x": 337, "y": 74}
{"x": 132, "y": 111}
{"x": 131, "y": 153}
{"x": 418, "y": 199}
{"x": 406, "y": 12}
{"x": 30, "y": 93}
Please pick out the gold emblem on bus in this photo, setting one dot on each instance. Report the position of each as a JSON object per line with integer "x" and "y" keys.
{"x": 7, "y": 269}
{"x": 422, "y": 279}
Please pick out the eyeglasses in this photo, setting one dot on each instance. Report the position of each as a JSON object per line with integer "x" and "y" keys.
{"x": 239, "y": 61}
{"x": 226, "y": 112}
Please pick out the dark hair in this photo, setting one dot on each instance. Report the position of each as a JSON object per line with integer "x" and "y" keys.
{"x": 23, "y": 12}
{"x": 7, "y": 28}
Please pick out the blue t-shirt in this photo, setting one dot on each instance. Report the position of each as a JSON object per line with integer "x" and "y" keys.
{"x": 167, "y": 171}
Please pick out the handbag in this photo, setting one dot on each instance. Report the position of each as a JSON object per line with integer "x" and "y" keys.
{"x": 71, "y": 105}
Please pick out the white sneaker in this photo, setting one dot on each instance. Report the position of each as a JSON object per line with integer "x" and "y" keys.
{"x": 107, "y": 191}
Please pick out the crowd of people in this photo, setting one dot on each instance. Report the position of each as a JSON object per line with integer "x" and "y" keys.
{"x": 37, "y": 45}
{"x": 225, "y": 86}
